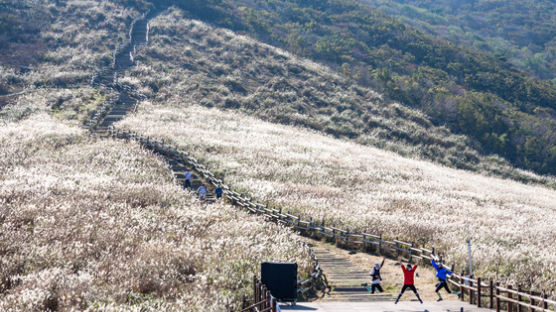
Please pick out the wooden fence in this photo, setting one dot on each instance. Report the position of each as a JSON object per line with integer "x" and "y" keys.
{"x": 262, "y": 299}
{"x": 475, "y": 289}
{"x": 493, "y": 296}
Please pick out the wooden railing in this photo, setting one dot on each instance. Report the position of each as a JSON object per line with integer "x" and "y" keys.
{"x": 492, "y": 295}
{"x": 262, "y": 299}
{"x": 314, "y": 281}
{"x": 476, "y": 290}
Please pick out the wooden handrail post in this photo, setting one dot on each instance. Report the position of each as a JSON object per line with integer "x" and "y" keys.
{"x": 532, "y": 301}
{"x": 364, "y": 243}
{"x": 263, "y": 299}
{"x": 273, "y": 303}
{"x": 461, "y": 288}
{"x": 497, "y": 297}
{"x": 470, "y": 291}
{"x": 479, "y": 292}
{"x": 491, "y": 295}
{"x": 263, "y": 292}
{"x": 256, "y": 289}
{"x": 460, "y": 282}
{"x": 510, "y": 304}
{"x": 519, "y": 298}
{"x": 380, "y": 244}
{"x": 411, "y": 250}
{"x": 545, "y": 296}
{"x": 397, "y": 248}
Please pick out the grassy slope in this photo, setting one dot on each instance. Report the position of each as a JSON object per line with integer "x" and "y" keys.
{"x": 350, "y": 185}
{"x": 316, "y": 176}
{"x": 503, "y": 109}
{"x": 102, "y": 225}
{"x": 77, "y": 37}
{"x": 366, "y": 189}
{"x": 215, "y": 67}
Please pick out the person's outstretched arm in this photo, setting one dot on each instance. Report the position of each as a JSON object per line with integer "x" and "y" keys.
{"x": 434, "y": 264}
{"x": 382, "y": 263}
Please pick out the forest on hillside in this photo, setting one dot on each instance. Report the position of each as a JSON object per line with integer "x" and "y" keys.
{"x": 485, "y": 97}
{"x": 523, "y": 32}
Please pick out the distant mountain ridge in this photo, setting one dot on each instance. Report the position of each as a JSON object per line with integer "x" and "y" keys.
{"x": 524, "y": 32}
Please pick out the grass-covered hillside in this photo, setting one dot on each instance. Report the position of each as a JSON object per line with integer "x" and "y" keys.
{"x": 102, "y": 225}
{"x": 369, "y": 190}
{"x": 524, "y": 32}
{"x": 58, "y": 43}
{"x": 505, "y": 110}
{"x": 215, "y": 67}
{"x": 501, "y": 109}
{"x": 92, "y": 224}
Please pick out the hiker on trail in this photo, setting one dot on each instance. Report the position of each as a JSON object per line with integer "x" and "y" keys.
{"x": 218, "y": 192}
{"x": 188, "y": 179}
{"x": 202, "y": 191}
{"x": 442, "y": 274}
{"x": 408, "y": 280}
{"x": 376, "y": 278}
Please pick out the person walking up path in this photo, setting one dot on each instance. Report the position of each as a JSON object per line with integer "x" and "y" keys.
{"x": 187, "y": 179}
{"x": 376, "y": 278}
{"x": 218, "y": 192}
{"x": 442, "y": 275}
{"x": 202, "y": 191}
{"x": 408, "y": 280}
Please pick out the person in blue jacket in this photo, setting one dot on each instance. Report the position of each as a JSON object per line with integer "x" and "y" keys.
{"x": 442, "y": 274}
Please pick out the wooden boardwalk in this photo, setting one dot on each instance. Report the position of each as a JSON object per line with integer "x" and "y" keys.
{"x": 402, "y": 306}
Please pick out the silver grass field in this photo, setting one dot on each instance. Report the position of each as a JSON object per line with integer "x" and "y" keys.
{"x": 511, "y": 225}
{"x": 103, "y": 226}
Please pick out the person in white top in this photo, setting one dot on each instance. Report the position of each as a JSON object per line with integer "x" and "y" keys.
{"x": 376, "y": 278}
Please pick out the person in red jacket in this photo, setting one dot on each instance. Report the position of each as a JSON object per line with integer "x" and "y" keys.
{"x": 408, "y": 281}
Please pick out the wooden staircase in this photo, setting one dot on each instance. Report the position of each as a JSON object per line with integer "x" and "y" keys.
{"x": 127, "y": 99}
{"x": 345, "y": 279}
{"x": 179, "y": 172}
